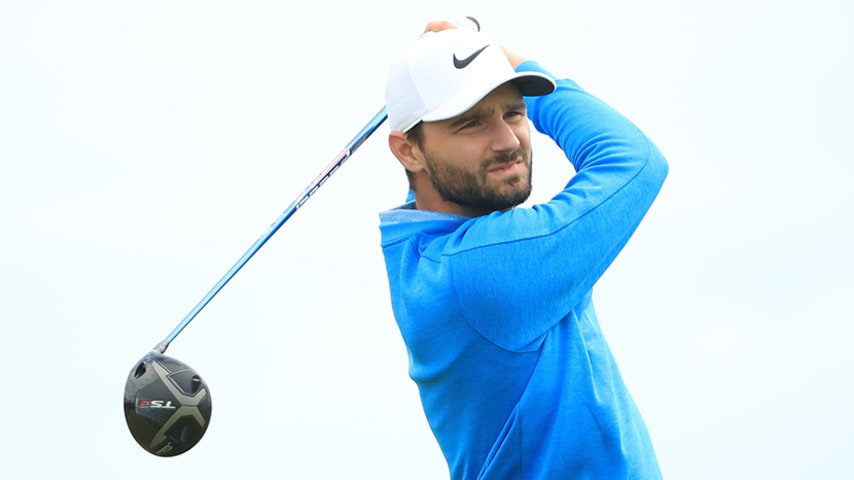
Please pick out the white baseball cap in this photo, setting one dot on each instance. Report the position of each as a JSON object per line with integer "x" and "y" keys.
{"x": 443, "y": 74}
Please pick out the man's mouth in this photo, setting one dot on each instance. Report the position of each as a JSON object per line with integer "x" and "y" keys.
{"x": 505, "y": 166}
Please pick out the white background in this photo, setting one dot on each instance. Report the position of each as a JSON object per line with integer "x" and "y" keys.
{"x": 145, "y": 145}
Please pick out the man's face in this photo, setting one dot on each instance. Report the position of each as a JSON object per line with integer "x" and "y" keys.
{"x": 481, "y": 160}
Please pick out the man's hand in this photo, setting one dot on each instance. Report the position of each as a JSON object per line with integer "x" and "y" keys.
{"x": 439, "y": 25}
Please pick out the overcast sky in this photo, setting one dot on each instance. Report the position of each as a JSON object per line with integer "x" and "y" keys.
{"x": 144, "y": 146}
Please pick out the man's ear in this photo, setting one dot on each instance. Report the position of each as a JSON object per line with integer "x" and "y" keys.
{"x": 405, "y": 151}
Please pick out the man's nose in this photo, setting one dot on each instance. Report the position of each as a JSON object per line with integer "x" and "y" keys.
{"x": 504, "y": 137}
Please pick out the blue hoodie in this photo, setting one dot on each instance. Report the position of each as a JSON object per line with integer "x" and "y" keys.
{"x": 515, "y": 376}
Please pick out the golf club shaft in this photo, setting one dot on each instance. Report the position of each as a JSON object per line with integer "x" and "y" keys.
{"x": 348, "y": 150}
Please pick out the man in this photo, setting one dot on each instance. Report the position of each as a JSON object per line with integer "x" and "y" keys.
{"x": 494, "y": 302}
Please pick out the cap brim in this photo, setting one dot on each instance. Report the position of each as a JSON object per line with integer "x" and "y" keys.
{"x": 534, "y": 84}
{"x": 530, "y": 84}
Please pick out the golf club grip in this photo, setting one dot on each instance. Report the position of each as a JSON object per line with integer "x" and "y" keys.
{"x": 327, "y": 172}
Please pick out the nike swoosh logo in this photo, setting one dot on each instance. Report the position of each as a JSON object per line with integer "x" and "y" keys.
{"x": 466, "y": 61}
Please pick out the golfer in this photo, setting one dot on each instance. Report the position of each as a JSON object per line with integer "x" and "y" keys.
{"x": 493, "y": 301}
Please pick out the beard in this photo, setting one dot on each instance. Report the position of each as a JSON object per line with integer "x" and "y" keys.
{"x": 473, "y": 190}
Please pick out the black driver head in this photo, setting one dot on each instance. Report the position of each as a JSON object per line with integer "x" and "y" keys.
{"x": 167, "y": 405}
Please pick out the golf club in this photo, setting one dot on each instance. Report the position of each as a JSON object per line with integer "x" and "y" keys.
{"x": 167, "y": 404}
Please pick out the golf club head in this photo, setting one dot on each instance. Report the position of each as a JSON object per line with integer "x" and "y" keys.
{"x": 167, "y": 405}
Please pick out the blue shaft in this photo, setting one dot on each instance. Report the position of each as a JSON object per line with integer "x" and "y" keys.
{"x": 339, "y": 160}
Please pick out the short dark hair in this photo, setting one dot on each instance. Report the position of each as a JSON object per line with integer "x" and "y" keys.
{"x": 416, "y": 135}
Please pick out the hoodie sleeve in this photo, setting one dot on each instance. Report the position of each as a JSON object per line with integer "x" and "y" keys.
{"x": 517, "y": 273}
